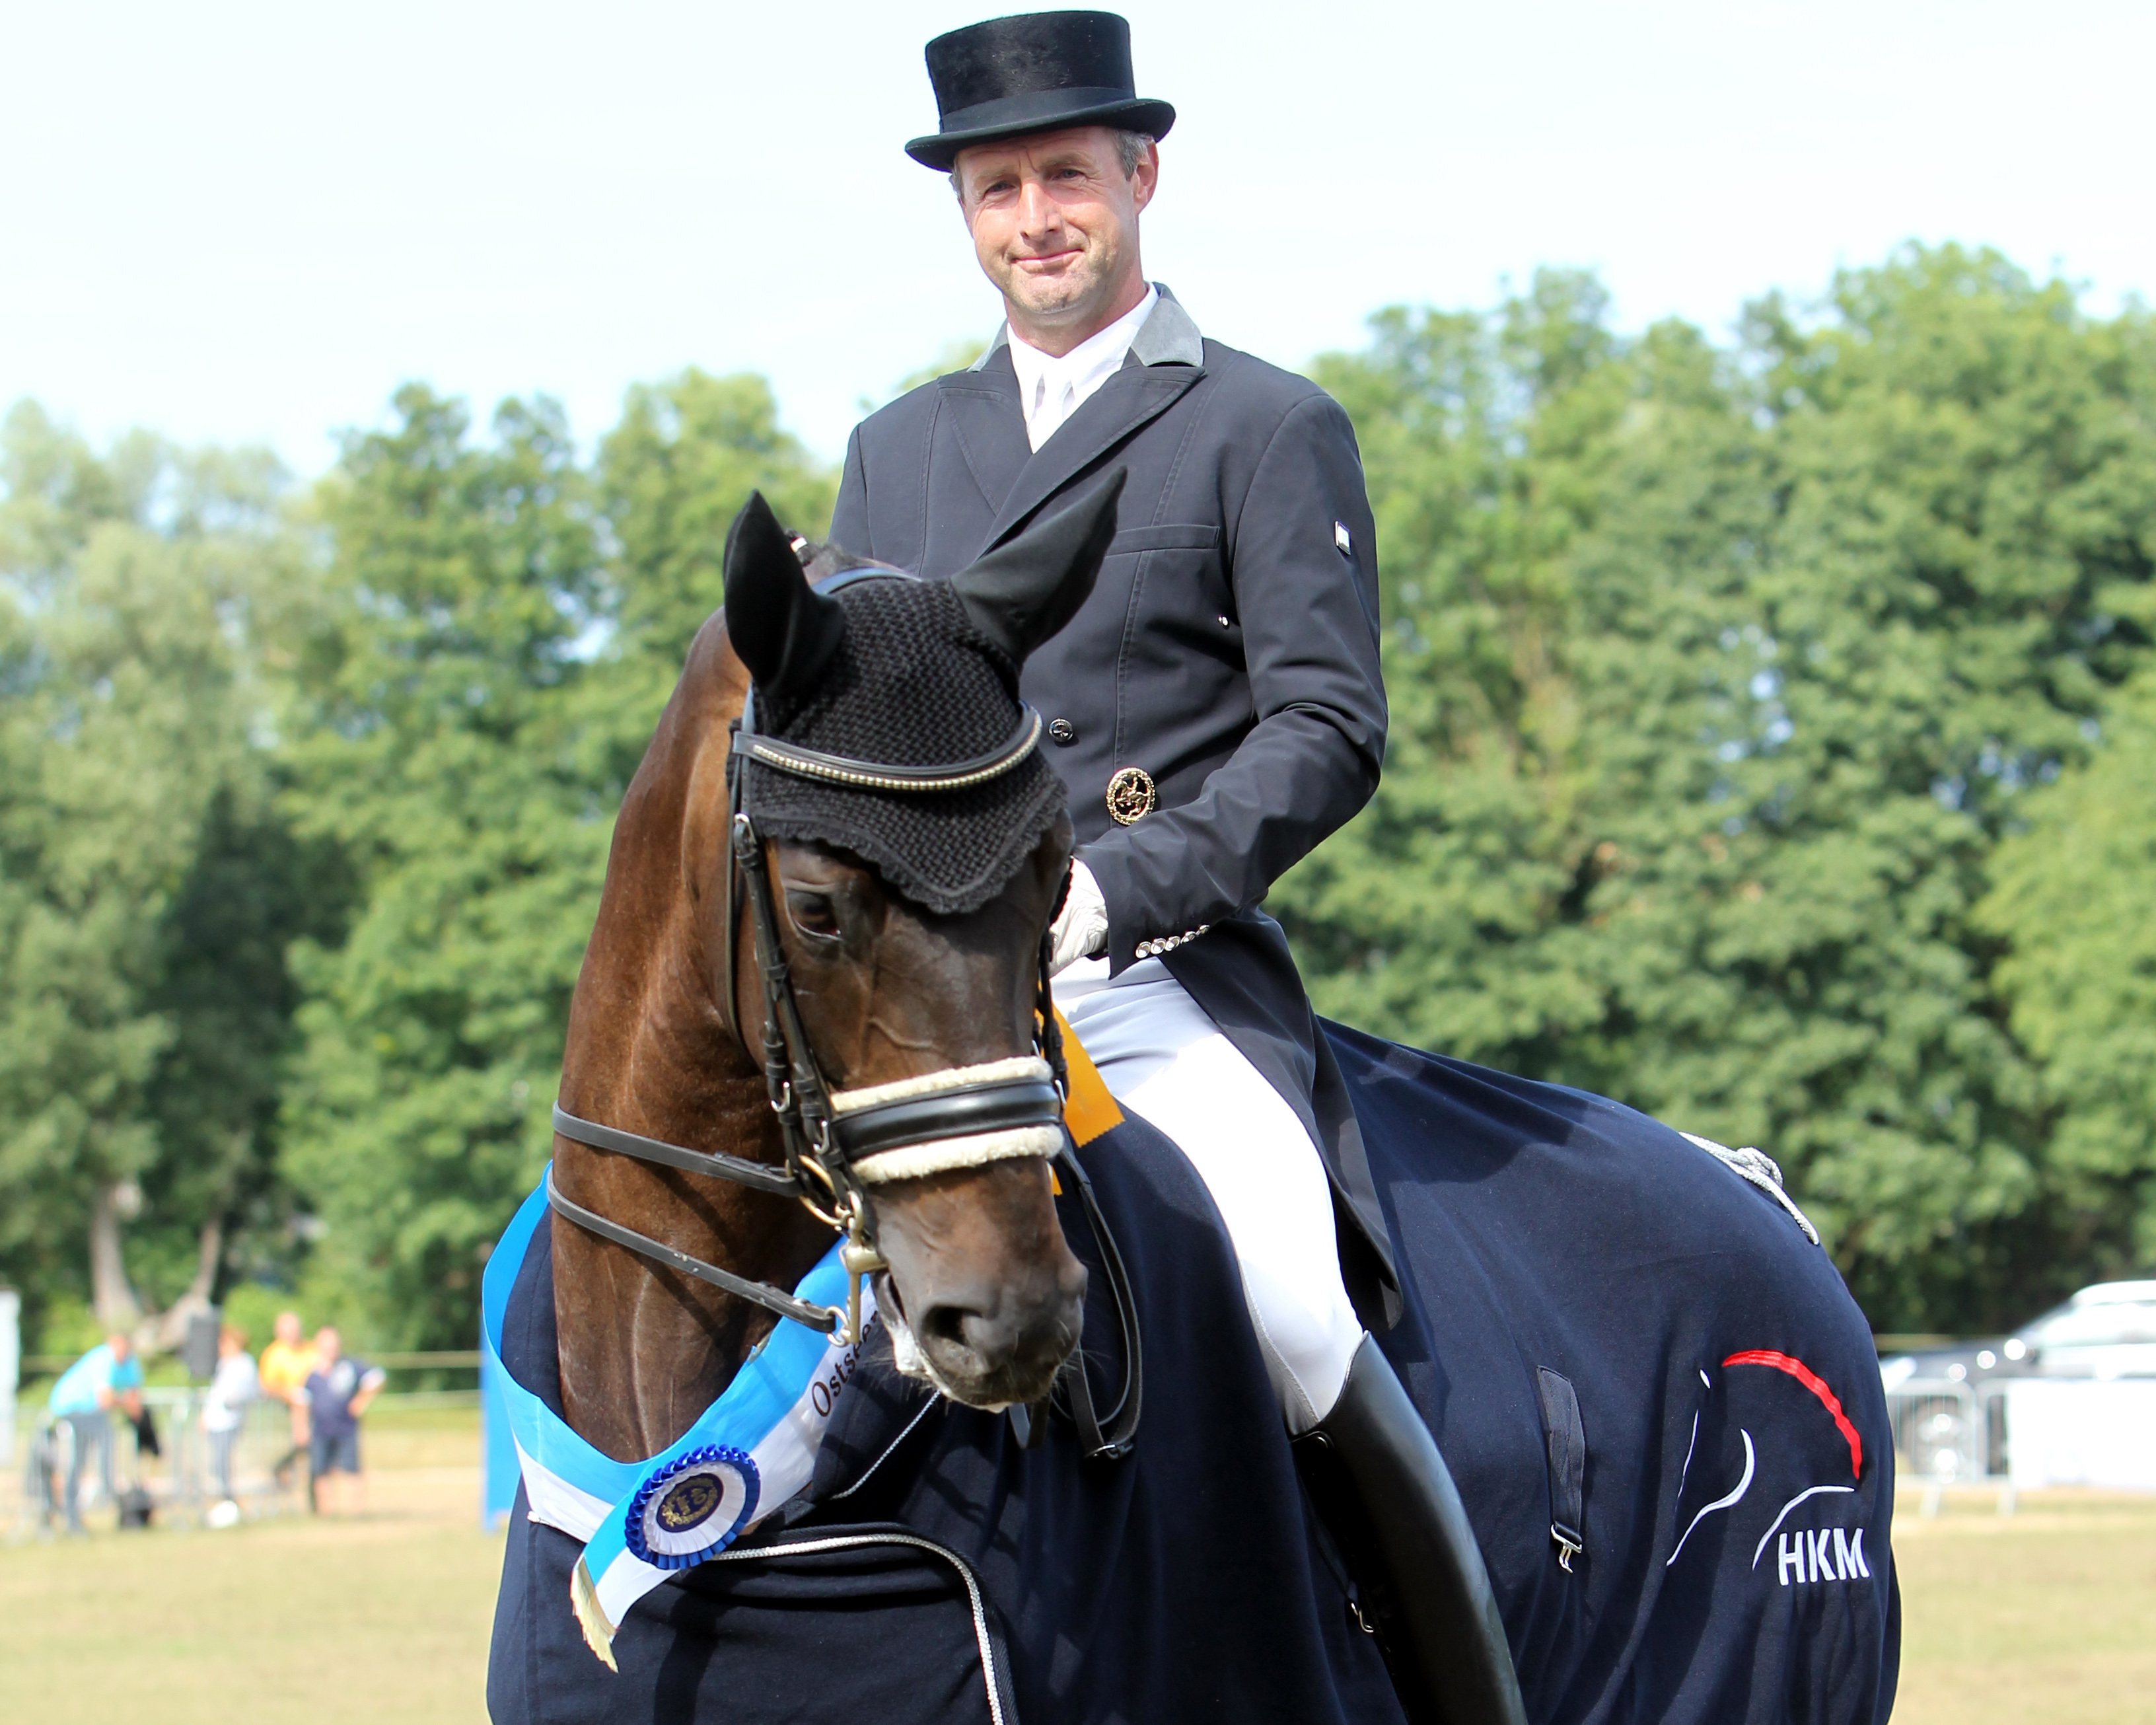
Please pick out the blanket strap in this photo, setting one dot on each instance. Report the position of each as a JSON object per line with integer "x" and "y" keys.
{"x": 1568, "y": 1466}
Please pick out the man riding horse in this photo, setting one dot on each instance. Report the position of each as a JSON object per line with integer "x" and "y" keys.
{"x": 1216, "y": 709}
{"x": 768, "y": 1473}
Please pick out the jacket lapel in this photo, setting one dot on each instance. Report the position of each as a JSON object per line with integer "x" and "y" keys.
{"x": 1133, "y": 398}
{"x": 983, "y": 407}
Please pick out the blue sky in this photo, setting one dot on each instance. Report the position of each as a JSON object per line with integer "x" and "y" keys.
{"x": 250, "y": 222}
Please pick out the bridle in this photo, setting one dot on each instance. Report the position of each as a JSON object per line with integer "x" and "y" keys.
{"x": 839, "y": 1143}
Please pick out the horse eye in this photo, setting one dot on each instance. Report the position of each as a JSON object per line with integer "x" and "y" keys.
{"x": 812, "y": 913}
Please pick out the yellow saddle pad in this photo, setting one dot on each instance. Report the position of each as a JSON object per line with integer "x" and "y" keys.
{"x": 1089, "y": 1110}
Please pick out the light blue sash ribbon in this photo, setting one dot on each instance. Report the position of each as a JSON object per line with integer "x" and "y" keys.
{"x": 750, "y": 1451}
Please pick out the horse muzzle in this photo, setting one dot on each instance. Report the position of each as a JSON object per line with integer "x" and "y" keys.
{"x": 982, "y": 1294}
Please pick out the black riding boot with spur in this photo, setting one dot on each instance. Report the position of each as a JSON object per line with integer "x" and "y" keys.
{"x": 1385, "y": 1493}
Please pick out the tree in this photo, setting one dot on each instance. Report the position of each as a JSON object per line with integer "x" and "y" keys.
{"x": 1715, "y": 679}
{"x": 1770, "y": 749}
{"x": 435, "y": 747}
{"x": 670, "y": 477}
{"x": 507, "y": 627}
{"x": 2070, "y": 897}
{"x": 128, "y": 590}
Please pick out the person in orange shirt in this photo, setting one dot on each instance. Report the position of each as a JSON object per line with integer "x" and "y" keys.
{"x": 284, "y": 1367}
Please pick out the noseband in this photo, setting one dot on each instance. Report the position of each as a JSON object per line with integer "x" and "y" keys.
{"x": 839, "y": 1143}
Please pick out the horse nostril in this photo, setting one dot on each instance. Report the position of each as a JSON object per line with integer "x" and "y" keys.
{"x": 1000, "y": 1344}
{"x": 994, "y": 1340}
{"x": 949, "y": 1324}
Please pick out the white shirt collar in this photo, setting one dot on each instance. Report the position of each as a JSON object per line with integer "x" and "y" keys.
{"x": 1051, "y": 390}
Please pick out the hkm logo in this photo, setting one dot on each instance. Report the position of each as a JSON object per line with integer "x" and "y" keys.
{"x": 1821, "y": 1554}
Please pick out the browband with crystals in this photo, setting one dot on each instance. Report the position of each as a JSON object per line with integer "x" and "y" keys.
{"x": 890, "y": 776}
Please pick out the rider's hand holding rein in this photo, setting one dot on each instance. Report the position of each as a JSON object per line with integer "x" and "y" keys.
{"x": 1080, "y": 930}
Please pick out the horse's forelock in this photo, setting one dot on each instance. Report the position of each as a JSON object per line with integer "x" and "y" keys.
{"x": 821, "y": 561}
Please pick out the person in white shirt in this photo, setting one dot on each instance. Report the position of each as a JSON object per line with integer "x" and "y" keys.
{"x": 1052, "y": 386}
{"x": 223, "y": 1414}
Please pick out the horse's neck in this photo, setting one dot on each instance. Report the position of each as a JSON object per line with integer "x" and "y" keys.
{"x": 643, "y": 1351}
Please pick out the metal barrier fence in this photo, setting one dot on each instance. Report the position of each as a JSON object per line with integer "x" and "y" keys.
{"x": 1947, "y": 1432}
{"x": 179, "y": 1479}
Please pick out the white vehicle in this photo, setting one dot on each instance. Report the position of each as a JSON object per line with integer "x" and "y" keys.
{"x": 2107, "y": 1330}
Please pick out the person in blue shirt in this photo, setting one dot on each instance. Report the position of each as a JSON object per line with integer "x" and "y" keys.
{"x": 107, "y": 1377}
{"x": 337, "y": 1392}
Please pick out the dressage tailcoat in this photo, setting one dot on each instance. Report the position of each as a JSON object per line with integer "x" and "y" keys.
{"x": 1229, "y": 649}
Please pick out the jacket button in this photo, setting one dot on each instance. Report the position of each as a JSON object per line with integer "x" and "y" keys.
{"x": 1061, "y": 731}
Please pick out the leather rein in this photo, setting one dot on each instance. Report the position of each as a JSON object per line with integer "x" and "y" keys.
{"x": 833, "y": 1139}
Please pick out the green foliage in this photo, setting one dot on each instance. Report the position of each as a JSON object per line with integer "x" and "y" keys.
{"x": 435, "y": 749}
{"x": 672, "y": 474}
{"x": 1716, "y": 679}
{"x": 2071, "y": 898}
{"x": 504, "y": 628}
{"x": 129, "y": 682}
{"x": 228, "y": 990}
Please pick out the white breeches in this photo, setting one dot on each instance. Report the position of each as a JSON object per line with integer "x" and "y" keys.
{"x": 1161, "y": 1057}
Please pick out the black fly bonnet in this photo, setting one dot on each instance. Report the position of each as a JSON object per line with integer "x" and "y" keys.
{"x": 892, "y": 728}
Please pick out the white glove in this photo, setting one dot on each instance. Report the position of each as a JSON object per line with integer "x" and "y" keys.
{"x": 1081, "y": 932}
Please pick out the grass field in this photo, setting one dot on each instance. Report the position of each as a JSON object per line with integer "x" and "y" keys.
{"x": 2048, "y": 1615}
{"x": 285, "y": 1619}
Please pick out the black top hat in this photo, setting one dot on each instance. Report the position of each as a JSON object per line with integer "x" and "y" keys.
{"x": 1039, "y": 71}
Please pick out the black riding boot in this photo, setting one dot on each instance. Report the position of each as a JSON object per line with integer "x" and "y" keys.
{"x": 1386, "y": 1494}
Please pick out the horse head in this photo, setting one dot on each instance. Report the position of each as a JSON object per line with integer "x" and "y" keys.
{"x": 867, "y": 848}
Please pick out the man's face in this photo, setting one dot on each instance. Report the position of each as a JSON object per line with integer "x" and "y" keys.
{"x": 1055, "y": 221}
{"x": 288, "y": 1328}
{"x": 120, "y": 1345}
{"x": 327, "y": 1344}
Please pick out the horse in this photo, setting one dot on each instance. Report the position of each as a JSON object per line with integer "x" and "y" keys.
{"x": 1046, "y": 1477}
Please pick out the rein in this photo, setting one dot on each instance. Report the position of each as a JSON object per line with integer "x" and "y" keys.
{"x": 839, "y": 1143}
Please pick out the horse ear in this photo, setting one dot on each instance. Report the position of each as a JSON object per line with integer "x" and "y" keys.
{"x": 1021, "y": 594}
{"x": 784, "y": 630}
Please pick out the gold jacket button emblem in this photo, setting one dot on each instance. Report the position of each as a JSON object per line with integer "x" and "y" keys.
{"x": 1130, "y": 794}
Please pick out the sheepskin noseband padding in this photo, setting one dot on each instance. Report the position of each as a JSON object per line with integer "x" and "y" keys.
{"x": 939, "y": 1156}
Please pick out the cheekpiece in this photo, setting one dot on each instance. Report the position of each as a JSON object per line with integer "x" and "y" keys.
{"x": 1038, "y": 71}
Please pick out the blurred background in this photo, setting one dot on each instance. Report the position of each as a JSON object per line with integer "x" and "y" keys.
{"x": 1759, "y": 407}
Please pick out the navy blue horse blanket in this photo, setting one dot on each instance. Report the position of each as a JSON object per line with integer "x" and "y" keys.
{"x": 1606, "y": 1329}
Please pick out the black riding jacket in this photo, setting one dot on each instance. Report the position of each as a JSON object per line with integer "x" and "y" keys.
{"x": 1228, "y": 651}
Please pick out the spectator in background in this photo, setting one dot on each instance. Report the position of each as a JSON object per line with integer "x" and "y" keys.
{"x": 286, "y": 1363}
{"x": 108, "y": 1377}
{"x": 225, "y": 1409}
{"x": 338, "y": 1391}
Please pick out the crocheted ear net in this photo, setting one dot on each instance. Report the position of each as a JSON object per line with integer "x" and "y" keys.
{"x": 912, "y": 684}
